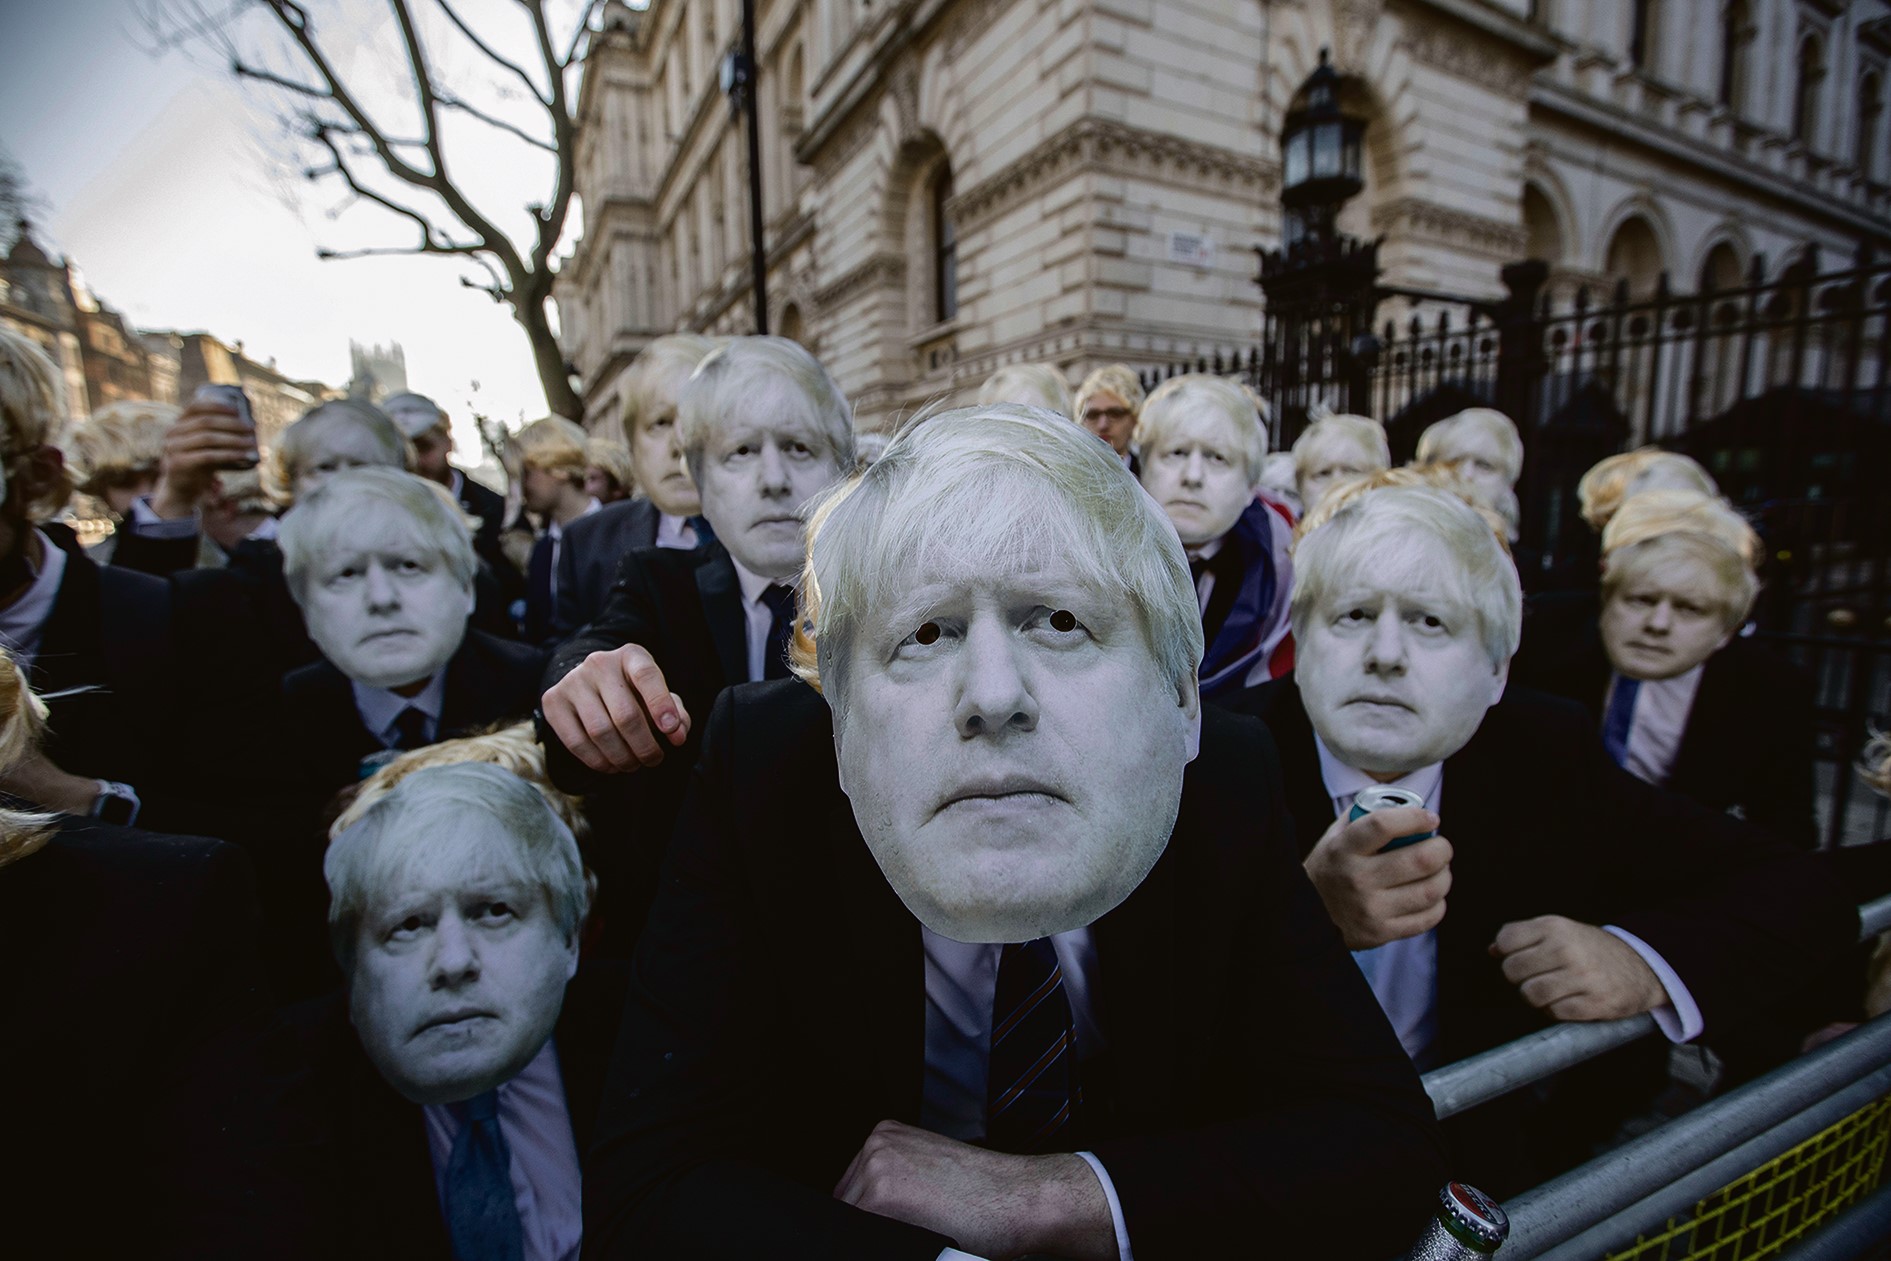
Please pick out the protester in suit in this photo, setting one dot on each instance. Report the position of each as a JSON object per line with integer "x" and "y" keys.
{"x": 425, "y": 425}
{"x": 114, "y": 455}
{"x": 1202, "y": 446}
{"x": 666, "y": 511}
{"x": 443, "y": 1105}
{"x": 125, "y": 950}
{"x": 1108, "y": 404}
{"x": 764, "y": 429}
{"x": 1337, "y": 448}
{"x": 1006, "y": 642}
{"x": 1575, "y": 890}
{"x": 1681, "y": 698}
{"x": 1030, "y": 385}
{"x": 607, "y": 473}
{"x": 95, "y": 639}
{"x": 551, "y": 459}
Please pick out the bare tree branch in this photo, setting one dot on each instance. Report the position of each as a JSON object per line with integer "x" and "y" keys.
{"x": 388, "y": 251}
{"x": 449, "y": 101}
{"x": 321, "y": 136}
{"x": 242, "y": 71}
{"x": 484, "y": 47}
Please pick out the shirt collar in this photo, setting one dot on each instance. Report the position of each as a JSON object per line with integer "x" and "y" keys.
{"x": 22, "y": 622}
{"x": 379, "y": 707}
{"x": 1345, "y": 782}
{"x": 557, "y": 531}
{"x": 753, "y": 584}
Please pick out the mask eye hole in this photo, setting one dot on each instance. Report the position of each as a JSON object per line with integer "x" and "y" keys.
{"x": 928, "y": 633}
{"x": 1063, "y": 620}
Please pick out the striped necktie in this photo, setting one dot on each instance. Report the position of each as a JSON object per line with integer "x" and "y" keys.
{"x": 1030, "y": 1091}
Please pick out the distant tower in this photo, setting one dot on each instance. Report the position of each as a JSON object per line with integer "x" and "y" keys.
{"x": 376, "y": 371}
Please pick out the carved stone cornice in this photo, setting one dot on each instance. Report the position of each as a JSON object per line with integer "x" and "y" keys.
{"x": 1472, "y": 59}
{"x": 1096, "y": 144}
{"x": 969, "y": 20}
{"x": 1422, "y": 220}
{"x": 880, "y": 269}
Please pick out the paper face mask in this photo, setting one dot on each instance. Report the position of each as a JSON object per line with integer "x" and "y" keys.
{"x": 383, "y": 606}
{"x": 755, "y": 479}
{"x": 460, "y": 971}
{"x": 1198, "y": 473}
{"x": 1012, "y": 751}
{"x": 1664, "y": 622}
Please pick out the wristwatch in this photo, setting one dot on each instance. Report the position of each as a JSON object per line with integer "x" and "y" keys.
{"x": 116, "y": 803}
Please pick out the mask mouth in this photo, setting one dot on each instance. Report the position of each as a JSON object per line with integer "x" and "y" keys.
{"x": 457, "y": 1015}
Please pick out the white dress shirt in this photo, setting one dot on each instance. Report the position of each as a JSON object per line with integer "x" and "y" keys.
{"x": 1659, "y": 720}
{"x": 380, "y": 708}
{"x": 23, "y": 623}
{"x": 675, "y": 532}
{"x": 961, "y": 984}
{"x": 1407, "y": 983}
{"x": 547, "y": 1188}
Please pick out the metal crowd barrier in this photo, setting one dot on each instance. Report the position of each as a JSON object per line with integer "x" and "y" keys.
{"x": 1724, "y": 1148}
{"x": 1461, "y": 1086}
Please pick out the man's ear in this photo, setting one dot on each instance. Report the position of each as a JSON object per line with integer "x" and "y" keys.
{"x": 1189, "y": 697}
{"x": 1498, "y": 681}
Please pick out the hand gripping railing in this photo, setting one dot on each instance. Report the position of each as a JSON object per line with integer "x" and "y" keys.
{"x": 1636, "y": 1187}
{"x": 1461, "y": 1086}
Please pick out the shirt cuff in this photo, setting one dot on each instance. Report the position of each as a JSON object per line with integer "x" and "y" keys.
{"x": 1680, "y": 1020}
{"x": 953, "y": 1254}
{"x": 145, "y": 521}
{"x": 1116, "y": 1207}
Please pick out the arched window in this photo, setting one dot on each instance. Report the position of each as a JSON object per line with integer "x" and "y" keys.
{"x": 945, "y": 248}
{"x": 1736, "y": 42}
{"x": 1644, "y": 36}
{"x": 1811, "y": 84}
{"x": 1635, "y": 256}
{"x": 1870, "y": 122}
{"x": 1543, "y": 232}
{"x": 1720, "y": 270}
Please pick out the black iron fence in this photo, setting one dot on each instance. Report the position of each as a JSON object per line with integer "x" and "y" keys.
{"x": 1780, "y": 386}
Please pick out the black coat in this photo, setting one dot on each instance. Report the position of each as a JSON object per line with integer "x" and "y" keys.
{"x": 1748, "y": 742}
{"x": 1541, "y": 822}
{"x": 292, "y": 1144}
{"x": 125, "y": 950}
{"x": 776, "y": 1015}
{"x": 594, "y": 548}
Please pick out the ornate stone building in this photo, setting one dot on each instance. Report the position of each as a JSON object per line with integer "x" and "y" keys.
{"x": 953, "y": 185}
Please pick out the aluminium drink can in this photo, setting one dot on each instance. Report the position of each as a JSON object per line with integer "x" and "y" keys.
{"x": 1388, "y": 797}
{"x": 1467, "y": 1226}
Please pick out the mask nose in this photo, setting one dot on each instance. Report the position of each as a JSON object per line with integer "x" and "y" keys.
{"x": 1385, "y": 651}
{"x": 993, "y": 693}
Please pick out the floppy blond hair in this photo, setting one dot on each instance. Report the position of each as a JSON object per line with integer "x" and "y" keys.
{"x": 1029, "y": 385}
{"x": 31, "y": 409}
{"x": 613, "y": 457}
{"x": 118, "y": 442}
{"x": 1702, "y": 530}
{"x": 1184, "y": 397}
{"x": 1614, "y": 478}
{"x": 514, "y": 748}
{"x": 1112, "y": 378}
{"x": 22, "y": 724}
{"x": 553, "y": 445}
{"x": 1443, "y": 477}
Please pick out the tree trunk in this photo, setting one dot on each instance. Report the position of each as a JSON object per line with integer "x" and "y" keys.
{"x": 528, "y": 308}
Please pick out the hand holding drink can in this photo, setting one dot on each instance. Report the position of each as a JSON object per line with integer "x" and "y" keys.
{"x": 231, "y": 398}
{"x": 1388, "y": 797}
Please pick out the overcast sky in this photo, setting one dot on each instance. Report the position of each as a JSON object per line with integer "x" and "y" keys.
{"x": 173, "y": 190}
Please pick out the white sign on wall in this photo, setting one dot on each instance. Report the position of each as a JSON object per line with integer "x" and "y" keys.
{"x": 1192, "y": 249}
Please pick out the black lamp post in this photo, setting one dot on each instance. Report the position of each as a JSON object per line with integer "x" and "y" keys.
{"x": 1320, "y": 150}
{"x": 739, "y": 75}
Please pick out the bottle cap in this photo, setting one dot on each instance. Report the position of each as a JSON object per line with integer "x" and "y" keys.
{"x": 1473, "y": 1217}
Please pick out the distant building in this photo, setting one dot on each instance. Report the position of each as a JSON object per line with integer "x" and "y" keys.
{"x": 374, "y": 372}
{"x": 188, "y": 360}
{"x": 36, "y": 299}
{"x": 950, "y": 186}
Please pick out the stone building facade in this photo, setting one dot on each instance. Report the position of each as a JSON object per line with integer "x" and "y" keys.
{"x": 953, "y": 185}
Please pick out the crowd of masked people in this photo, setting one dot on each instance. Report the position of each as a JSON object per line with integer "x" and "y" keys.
{"x": 758, "y": 838}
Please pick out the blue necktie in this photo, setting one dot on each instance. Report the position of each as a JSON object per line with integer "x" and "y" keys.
{"x": 704, "y": 535}
{"x": 1030, "y": 1089}
{"x": 780, "y": 602}
{"x": 1621, "y": 716}
{"x": 482, "y": 1220}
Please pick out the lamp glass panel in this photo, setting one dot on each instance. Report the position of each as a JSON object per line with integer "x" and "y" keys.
{"x": 1297, "y": 148}
{"x": 1326, "y": 150}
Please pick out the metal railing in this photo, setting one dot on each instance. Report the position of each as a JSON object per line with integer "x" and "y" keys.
{"x": 1586, "y": 1212}
{"x": 1464, "y": 1085}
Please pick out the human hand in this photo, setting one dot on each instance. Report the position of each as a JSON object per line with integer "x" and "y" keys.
{"x": 990, "y": 1203}
{"x": 609, "y": 711}
{"x": 1576, "y": 971}
{"x": 206, "y": 438}
{"x": 1374, "y": 898}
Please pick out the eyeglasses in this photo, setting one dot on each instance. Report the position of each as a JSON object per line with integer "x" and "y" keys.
{"x": 1113, "y": 415}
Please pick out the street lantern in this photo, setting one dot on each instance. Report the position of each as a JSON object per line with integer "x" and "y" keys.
{"x": 1320, "y": 150}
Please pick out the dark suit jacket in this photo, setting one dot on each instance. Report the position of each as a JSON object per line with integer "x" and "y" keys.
{"x": 1541, "y": 822}
{"x": 293, "y": 1145}
{"x": 125, "y": 949}
{"x": 776, "y": 1015}
{"x": 594, "y": 548}
{"x": 1748, "y": 742}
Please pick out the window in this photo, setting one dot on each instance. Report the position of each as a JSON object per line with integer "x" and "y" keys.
{"x": 945, "y": 267}
{"x": 1644, "y": 35}
{"x": 1806, "y": 94}
{"x": 1736, "y": 42}
{"x": 1870, "y": 120}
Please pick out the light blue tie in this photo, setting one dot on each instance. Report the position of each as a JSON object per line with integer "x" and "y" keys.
{"x": 482, "y": 1221}
{"x": 1621, "y": 716}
